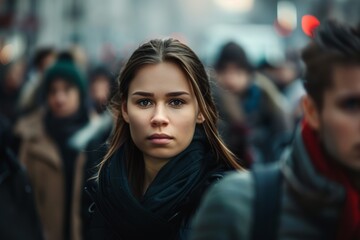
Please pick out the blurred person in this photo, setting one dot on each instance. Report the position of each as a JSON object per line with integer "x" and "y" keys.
{"x": 30, "y": 97}
{"x": 109, "y": 56}
{"x": 285, "y": 75}
{"x": 11, "y": 81}
{"x": 252, "y": 109}
{"x": 95, "y": 151}
{"x": 54, "y": 163}
{"x": 101, "y": 85}
{"x": 281, "y": 72}
{"x": 165, "y": 149}
{"x": 314, "y": 192}
{"x": 19, "y": 218}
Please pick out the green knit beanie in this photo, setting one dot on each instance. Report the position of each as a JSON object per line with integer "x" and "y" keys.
{"x": 67, "y": 71}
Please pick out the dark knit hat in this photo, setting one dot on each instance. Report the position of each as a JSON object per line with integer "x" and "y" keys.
{"x": 232, "y": 53}
{"x": 68, "y": 71}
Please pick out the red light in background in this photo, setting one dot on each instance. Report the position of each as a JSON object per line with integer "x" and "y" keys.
{"x": 308, "y": 24}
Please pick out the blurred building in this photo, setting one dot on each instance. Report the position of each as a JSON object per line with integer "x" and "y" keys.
{"x": 120, "y": 25}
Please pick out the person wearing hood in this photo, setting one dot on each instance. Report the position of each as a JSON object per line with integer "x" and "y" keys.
{"x": 54, "y": 163}
{"x": 314, "y": 191}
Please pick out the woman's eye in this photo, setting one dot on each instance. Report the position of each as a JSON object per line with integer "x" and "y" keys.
{"x": 176, "y": 102}
{"x": 144, "y": 102}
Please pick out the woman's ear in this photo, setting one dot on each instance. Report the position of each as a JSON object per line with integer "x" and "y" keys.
{"x": 124, "y": 111}
{"x": 200, "y": 118}
{"x": 311, "y": 112}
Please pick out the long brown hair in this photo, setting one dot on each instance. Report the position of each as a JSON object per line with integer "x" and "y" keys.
{"x": 154, "y": 52}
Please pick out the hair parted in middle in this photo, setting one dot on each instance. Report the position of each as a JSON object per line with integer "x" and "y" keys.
{"x": 154, "y": 52}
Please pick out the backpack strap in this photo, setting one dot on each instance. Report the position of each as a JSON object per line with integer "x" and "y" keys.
{"x": 266, "y": 210}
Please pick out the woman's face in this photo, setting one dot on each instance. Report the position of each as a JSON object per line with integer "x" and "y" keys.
{"x": 63, "y": 98}
{"x": 161, "y": 110}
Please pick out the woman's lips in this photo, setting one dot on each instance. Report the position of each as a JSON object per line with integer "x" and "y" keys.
{"x": 160, "y": 139}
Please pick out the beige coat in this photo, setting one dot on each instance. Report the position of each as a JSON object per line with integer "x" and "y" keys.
{"x": 42, "y": 160}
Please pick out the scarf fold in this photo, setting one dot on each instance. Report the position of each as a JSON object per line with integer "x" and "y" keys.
{"x": 159, "y": 214}
{"x": 349, "y": 222}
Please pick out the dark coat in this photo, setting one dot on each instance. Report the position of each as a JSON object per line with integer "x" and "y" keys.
{"x": 18, "y": 219}
{"x": 310, "y": 203}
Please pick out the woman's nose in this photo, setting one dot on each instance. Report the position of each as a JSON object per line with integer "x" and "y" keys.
{"x": 160, "y": 117}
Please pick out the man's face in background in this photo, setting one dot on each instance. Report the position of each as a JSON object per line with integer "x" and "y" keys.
{"x": 339, "y": 118}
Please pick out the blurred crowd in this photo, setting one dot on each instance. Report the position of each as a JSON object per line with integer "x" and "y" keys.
{"x": 260, "y": 102}
{"x": 54, "y": 124}
{"x": 54, "y": 121}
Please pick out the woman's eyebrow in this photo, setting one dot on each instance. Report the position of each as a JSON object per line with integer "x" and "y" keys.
{"x": 175, "y": 94}
{"x": 170, "y": 94}
{"x": 144, "y": 94}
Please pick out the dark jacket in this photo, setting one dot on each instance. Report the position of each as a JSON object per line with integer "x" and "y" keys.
{"x": 18, "y": 217}
{"x": 310, "y": 203}
{"x": 95, "y": 151}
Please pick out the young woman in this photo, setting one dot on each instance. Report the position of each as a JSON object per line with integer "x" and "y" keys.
{"x": 165, "y": 149}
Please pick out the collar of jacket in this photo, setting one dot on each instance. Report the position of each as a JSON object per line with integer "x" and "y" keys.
{"x": 307, "y": 183}
{"x": 31, "y": 130}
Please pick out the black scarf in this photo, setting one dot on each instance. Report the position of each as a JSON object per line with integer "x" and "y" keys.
{"x": 166, "y": 203}
{"x": 61, "y": 129}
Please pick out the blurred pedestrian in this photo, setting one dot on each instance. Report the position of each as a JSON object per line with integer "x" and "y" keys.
{"x": 54, "y": 163}
{"x": 11, "y": 82}
{"x": 314, "y": 192}
{"x": 252, "y": 109}
{"x": 165, "y": 149}
{"x": 101, "y": 87}
{"x": 30, "y": 97}
{"x": 19, "y": 218}
{"x": 286, "y": 76}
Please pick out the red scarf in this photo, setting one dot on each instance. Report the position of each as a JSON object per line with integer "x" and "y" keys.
{"x": 349, "y": 224}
